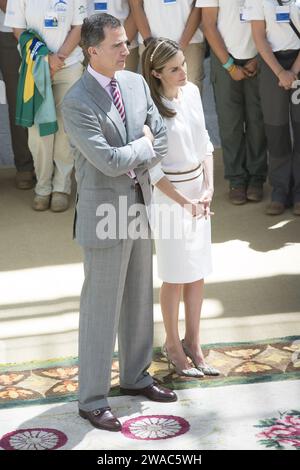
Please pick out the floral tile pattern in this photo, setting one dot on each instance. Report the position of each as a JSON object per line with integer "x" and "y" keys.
{"x": 282, "y": 432}
{"x": 33, "y": 439}
{"x": 155, "y": 427}
{"x": 239, "y": 363}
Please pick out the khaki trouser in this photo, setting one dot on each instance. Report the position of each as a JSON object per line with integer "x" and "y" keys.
{"x": 53, "y": 160}
{"x": 194, "y": 56}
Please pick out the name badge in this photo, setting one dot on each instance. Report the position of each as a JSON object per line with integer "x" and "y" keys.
{"x": 50, "y": 21}
{"x": 283, "y": 14}
{"x": 169, "y": 2}
{"x": 100, "y": 6}
{"x": 244, "y": 15}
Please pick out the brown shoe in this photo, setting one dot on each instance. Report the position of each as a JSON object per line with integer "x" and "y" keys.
{"x": 41, "y": 203}
{"x": 296, "y": 209}
{"x": 154, "y": 392}
{"x": 59, "y": 202}
{"x": 25, "y": 180}
{"x": 275, "y": 208}
{"x": 102, "y": 418}
{"x": 254, "y": 193}
{"x": 237, "y": 195}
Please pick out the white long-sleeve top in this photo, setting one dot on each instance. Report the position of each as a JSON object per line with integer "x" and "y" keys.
{"x": 188, "y": 140}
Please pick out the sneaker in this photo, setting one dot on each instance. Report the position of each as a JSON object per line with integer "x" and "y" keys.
{"x": 41, "y": 203}
{"x": 275, "y": 208}
{"x": 59, "y": 202}
{"x": 25, "y": 180}
{"x": 237, "y": 195}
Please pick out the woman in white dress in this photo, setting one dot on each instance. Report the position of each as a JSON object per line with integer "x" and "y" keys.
{"x": 183, "y": 190}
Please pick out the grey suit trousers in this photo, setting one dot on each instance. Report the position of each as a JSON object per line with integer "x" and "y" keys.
{"x": 117, "y": 297}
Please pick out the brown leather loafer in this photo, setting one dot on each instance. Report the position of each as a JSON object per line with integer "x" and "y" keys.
{"x": 237, "y": 195}
{"x": 254, "y": 193}
{"x": 102, "y": 418}
{"x": 154, "y": 392}
{"x": 275, "y": 208}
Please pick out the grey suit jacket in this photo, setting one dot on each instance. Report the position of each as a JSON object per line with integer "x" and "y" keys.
{"x": 105, "y": 150}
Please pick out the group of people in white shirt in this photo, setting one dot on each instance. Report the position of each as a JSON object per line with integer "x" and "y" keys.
{"x": 253, "y": 116}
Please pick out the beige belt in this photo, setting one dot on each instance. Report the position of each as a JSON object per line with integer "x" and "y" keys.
{"x": 180, "y": 177}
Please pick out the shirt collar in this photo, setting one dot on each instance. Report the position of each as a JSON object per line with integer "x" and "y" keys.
{"x": 103, "y": 80}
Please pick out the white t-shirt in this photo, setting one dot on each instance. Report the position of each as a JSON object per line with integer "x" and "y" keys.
{"x": 236, "y": 34}
{"x": 32, "y": 13}
{"x": 188, "y": 140}
{"x": 280, "y": 35}
{"x": 168, "y": 19}
{"x": 3, "y": 28}
{"x": 118, "y": 8}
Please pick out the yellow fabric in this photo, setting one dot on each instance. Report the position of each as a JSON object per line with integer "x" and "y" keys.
{"x": 29, "y": 80}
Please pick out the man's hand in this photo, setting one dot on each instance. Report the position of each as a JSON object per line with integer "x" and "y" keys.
{"x": 250, "y": 68}
{"x": 148, "y": 133}
{"x": 56, "y": 62}
{"x": 286, "y": 78}
{"x": 238, "y": 73}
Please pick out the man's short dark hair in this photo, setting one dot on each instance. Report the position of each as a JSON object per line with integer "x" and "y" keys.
{"x": 92, "y": 31}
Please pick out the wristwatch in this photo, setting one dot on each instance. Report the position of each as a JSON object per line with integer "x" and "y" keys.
{"x": 147, "y": 41}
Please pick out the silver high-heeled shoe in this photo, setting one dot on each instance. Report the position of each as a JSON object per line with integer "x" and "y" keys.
{"x": 205, "y": 368}
{"x": 192, "y": 372}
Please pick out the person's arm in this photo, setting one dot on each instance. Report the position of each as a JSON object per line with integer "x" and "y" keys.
{"x": 3, "y": 4}
{"x": 17, "y": 32}
{"x": 130, "y": 27}
{"x": 208, "y": 169}
{"x": 56, "y": 61}
{"x": 191, "y": 27}
{"x": 216, "y": 42}
{"x": 166, "y": 187}
{"x": 85, "y": 133}
{"x": 156, "y": 124}
{"x": 285, "y": 77}
{"x": 72, "y": 40}
{"x": 140, "y": 18}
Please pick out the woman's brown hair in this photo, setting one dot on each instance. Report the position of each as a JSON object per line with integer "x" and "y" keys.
{"x": 155, "y": 56}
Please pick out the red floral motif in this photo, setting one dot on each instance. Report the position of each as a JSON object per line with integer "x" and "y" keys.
{"x": 283, "y": 432}
{"x": 33, "y": 439}
{"x": 155, "y": 427}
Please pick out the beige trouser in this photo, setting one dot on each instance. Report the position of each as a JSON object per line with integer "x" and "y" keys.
{"x": 194, "y": 55}
{"x": 132, "y": 61}
{"x": 53, "y": 160}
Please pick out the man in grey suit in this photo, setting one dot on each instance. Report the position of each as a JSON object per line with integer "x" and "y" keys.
{"x": 117, "y": 135}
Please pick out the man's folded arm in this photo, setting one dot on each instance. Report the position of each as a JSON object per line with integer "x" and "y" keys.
{"x": 158, "y": 129}
{"x": 85, "y": 133}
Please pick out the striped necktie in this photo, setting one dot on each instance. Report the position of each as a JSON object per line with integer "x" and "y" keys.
{"x": 117, "y": 99}
{"x": 118, "y": 102}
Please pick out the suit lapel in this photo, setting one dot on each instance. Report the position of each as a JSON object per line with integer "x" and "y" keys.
{"x": 128, "y": 101}
{"x": 103, "y": 101}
